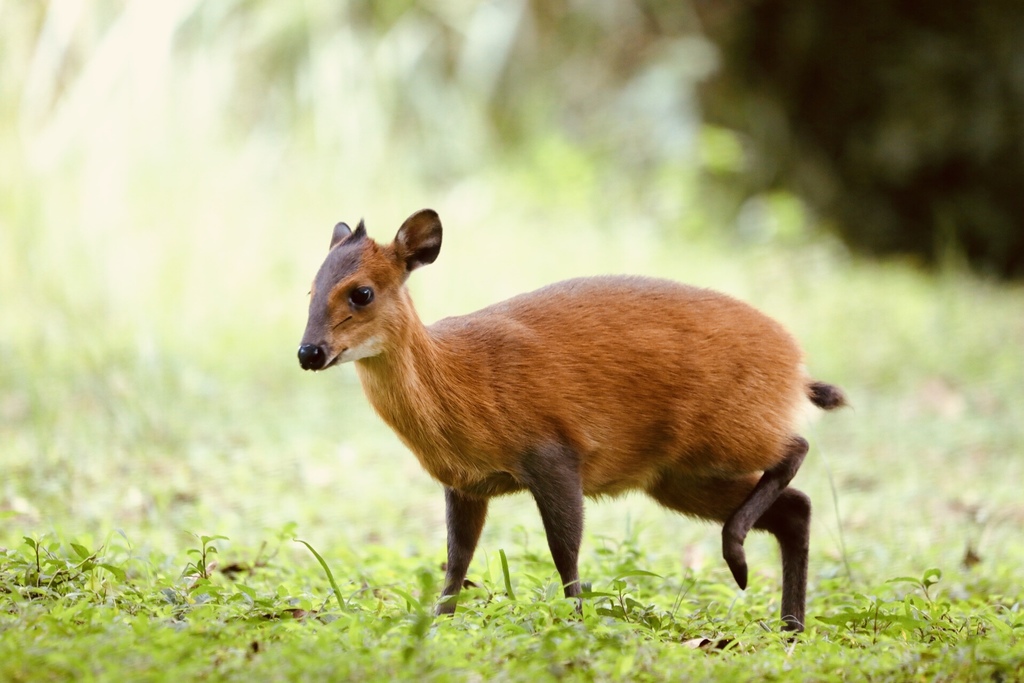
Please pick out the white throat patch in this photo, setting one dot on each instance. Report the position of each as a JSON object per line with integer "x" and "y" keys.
{"x": 370, "y": 347}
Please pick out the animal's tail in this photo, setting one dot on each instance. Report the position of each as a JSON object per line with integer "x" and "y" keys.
{"x": 826, "y": 396}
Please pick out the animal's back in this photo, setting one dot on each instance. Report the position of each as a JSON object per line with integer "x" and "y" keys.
{"x": 635, "y": 374}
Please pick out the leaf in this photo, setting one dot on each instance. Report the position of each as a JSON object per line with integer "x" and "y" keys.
{"x": 634, "y": 604}
{"x": 1002, "y": 626}
{"x": 80, "y": 550}
{"x": 905, "y": 579}
{"x": 411, "y": 603}
{"x": 206, "y": 539}
{"x": 613, "y": 610}
{"x": 204, "y": 587}
{"x": 905, "y": 621}
{"x": 653, "y": 621}
{"x": 246, "y": 590}
{"x": 118, "y": 573}
{"x": 931, "y": 577}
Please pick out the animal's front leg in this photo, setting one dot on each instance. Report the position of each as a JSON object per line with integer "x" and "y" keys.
{"x": 552, "y": 474}
{"x": 465, "y": 516}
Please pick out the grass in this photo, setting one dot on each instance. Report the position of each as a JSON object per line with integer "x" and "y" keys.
{"x": 111, "y": 612}
{"x": 134, "y": 444}
{"x": 161, "y": 452}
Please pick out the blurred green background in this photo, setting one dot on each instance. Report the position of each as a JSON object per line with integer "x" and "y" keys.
{"x": 171, "y": 172}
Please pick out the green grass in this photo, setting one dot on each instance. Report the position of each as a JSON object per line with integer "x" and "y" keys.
{"x": 161, "y": 451}
{"x": 77, "y": 612}
{"x": 129, "y": 436}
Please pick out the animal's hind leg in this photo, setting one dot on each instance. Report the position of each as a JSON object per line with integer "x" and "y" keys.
{"x": 789, "y": 520}
{"x": 772, "y": 483}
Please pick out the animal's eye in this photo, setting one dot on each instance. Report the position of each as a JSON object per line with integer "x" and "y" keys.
{"x": 361, "y": 296}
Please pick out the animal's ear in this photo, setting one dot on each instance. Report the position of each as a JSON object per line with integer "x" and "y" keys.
{"x": 418, "y": 241}
{"x": 341, "y": 231}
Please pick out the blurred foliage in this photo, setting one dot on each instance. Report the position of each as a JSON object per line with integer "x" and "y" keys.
{"x": 593, "y": 101}
{"x": 901, "y": 123}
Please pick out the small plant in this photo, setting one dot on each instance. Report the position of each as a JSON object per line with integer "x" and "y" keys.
{"x": 200, "y": 568}
{"x": 49, "y": 569}
{"x": 927, "y": 580}
{"x": 920, "y": 617}
{"x": 620, "y": 605}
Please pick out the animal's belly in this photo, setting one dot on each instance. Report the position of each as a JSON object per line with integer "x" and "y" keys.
{"x": 493, "y": 485}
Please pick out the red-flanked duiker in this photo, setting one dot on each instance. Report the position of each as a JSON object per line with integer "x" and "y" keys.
{"x": 588, "y": 387}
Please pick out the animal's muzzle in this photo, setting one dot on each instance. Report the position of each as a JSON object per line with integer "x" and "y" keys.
{"x": 312, "y": 357}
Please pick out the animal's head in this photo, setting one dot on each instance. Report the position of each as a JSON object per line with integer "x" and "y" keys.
{"x": 357, "y": 303}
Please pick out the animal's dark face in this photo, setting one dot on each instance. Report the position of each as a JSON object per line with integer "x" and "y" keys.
{"x": 356, "y": 307}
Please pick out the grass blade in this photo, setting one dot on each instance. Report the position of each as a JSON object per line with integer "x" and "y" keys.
{"x": 327, "y": 570}
{"x": 835, "y": 510}
{"x": 505, "y": 574}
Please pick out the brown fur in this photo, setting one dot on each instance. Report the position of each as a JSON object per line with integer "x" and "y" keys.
{"x": 682, "y": 392}
{"x": 637, "y": 375}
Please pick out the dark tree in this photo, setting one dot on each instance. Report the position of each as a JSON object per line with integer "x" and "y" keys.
{"x": 901, "y": 122}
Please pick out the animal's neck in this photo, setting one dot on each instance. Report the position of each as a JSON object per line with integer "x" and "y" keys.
{"x": 429, "y": 393}
{"x": 407, "y": 385}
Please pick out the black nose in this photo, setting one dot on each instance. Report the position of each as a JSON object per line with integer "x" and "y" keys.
{"x": 311, "y": 357}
